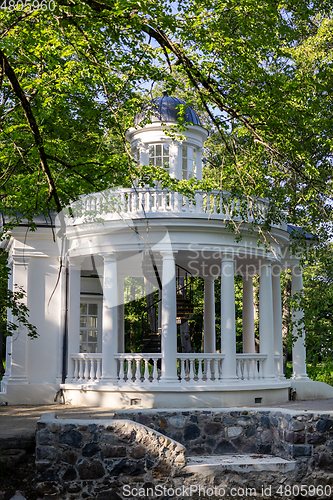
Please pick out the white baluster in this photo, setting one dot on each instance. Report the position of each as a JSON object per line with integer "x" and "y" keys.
{"x": 199, "y": 202}
{"x": 98, "y": 369}
{"x": 191, "y": 374}
{"x": 260, "y": 369}
{"x": 200, "y": 372}
{"x": 213, "y": 205}
{"x": 216, "y": 369}
{"x": 76, "y": 369}
{"x": 208, "y": 371}
{"x": 177, "y": 202}
{"x": 138, "y": 373}
{"x": 245, "y": 369}
{"x": 121, "y": 369}
{"x": 146, "y": 372}
{"x": 86, "y": 368}
{"x": 252, "y": 370}
{"x": 163, "y": 201}
{"x": 81, "y": 369}
{"x": 155, "y": 371}
{"x": 182, "y": 370}
{"x": 92, "y": 369}
{"x": 238, "y": 370}
{"x": 207, "y": 204}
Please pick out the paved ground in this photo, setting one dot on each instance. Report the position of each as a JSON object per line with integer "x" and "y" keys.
{"x": 21, "y": 420}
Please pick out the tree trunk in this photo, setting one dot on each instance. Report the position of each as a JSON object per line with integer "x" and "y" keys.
{"x": 286, "y": 317}
{"x": 256, "y": 283}
{"x": 185, "y": 338}
{"x": 151, "y": 308}
{"x": 132, "y": 329}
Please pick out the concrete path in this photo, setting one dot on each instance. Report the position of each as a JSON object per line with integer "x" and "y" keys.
{"x": 18, "y": 421}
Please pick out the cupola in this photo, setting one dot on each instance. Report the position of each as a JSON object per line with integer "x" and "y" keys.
{"x": 151, "y": 143}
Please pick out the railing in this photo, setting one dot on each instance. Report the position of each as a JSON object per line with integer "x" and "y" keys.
{"x": 87, "y": 367}
{"x": 200, "y": 367}
{"x": 154, "y": 201}
{"x": 250, "y": 366}
{"x": 140, "y": 368}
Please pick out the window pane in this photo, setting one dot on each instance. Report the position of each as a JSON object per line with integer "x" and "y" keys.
{"x": 83, "y": 308}
{"x": 151, "y": 150}
{"x": 158, "y": 150}
{"x": 184, "y": 175}
{"x": 92, "y": 309}
{"x": 83, "y": 348}
{"x": 92, "y": 336}
{"x": 83, "y": 321}
{"x": 158, "y": 161}
{"x": 184, "y": 163}
{"x": 92, "y": 348}
{"x": 184, "y": 148}
{"x": 166, "y": 150}
{"x": 92, "y": 322}
{"x": 165, "y": 162}
{"x": 151, "y": 160}
{"x": 83, "y": 336}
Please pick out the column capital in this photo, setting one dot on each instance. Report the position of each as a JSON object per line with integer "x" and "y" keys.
{"x": 108, "y": 256}
{"x": 210, "y": 278}
{"x": 75, "y": 262}
{"x": 228, "y": 256}
{"x": 19, "y": 260}
{"x": 168, "y": 254}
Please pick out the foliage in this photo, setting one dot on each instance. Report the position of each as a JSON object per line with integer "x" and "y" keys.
{"x": 317, "y": 303}
{"x": 259, "y": 74}
{"x": 322, "y": 372}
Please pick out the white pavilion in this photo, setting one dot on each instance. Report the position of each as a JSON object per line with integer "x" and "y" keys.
{"x": 162, "y": 237}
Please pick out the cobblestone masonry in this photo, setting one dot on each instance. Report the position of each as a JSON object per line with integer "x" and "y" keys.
{"x": 80, "y": 459}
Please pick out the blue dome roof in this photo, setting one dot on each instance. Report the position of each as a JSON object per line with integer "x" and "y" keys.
{"x": 164, "y": 109}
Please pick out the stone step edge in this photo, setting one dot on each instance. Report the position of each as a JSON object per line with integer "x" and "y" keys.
{"x": 208, "y": 464}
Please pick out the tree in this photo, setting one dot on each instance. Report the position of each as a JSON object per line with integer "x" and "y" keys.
{"x": 73, "y": 78}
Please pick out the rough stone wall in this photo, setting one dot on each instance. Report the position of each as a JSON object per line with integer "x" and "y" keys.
{"x": 95, "y": 459}
{"x": 81, "y": 459}
{"x": 301, "y": 436}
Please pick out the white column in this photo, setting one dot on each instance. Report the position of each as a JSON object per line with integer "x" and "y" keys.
{"x": 121, "y": 312}
{"x": 17, "y": 344}
{"x": 299, "y": 352}
{"x": 199, "y": 163}
{"x": 73, "y": 312}
{"x": 248, "y": 315}
{"x": 209, "y": 316}
{"x": 266, "y": 327}
{"x": 277, "y": 319}
{"x": 110, "y": 319}
{"x": 228, "y": 324}
{"x": 169, "y": 326}
{"x": 144, "y": 154}
{"x": 173, "y": 160}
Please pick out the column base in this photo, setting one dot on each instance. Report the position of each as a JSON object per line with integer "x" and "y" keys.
{"x": 300, "y": 377}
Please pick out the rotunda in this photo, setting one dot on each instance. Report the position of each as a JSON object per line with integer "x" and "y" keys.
{"x": 163, "y": 238}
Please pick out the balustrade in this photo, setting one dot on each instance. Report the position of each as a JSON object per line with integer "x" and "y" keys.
{"x": 140, "y": 368}
{"x": 200, "y": 367}
{"x": 215, "y": 204}
{"x": 250, "y": 366}
{"x": 87, "y": 367}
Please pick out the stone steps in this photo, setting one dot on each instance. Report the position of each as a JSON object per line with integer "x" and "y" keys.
{"x": 209, "y": 464}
